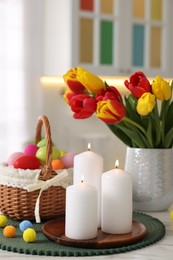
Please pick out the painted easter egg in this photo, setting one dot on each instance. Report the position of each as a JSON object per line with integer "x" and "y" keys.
{"x": 27, "y": 162}
{"x": 42, "y": 143}
{"x": 171, "y": 214}
{"x": 41, "y": 154}
{"x": 68, "y": 159}
{"x": 31, "y": 149}
{"x": 12, "y": 158}
{"x": 57, "y": 164}
{"x": 62, "y": 152}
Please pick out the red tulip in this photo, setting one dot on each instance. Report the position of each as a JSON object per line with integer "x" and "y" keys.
{"x": 138, "y": 84}
{"x": 83, "y": 106}
{"x": 110, "y": 93}
{"x": 68, "y": 95}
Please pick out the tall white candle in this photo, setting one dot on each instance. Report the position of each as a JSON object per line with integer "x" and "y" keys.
{"x": 89, "y": 165}
{"x": 116, "y": 206}
{"x": 81, "y": 211}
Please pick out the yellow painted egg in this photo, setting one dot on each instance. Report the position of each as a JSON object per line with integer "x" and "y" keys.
{"x": 62, "y": 152}
{"x": 9, "y": 231}
{"x": 171, "y": 214}
{"x": 29, "y": 235}
{"x": 3, "y": 221}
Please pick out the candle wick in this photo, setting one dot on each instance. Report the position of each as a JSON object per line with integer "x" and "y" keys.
{"x": 81, "y": 180}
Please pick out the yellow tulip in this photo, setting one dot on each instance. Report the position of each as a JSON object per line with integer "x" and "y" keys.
{"x": 161, "y": 88}
{"x": 146, "y": 104}
{"x": 70, "y": 75}
{"x": 91, "y": 82}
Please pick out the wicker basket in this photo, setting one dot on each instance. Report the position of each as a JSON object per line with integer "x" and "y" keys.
{"x": 19, "y": 204}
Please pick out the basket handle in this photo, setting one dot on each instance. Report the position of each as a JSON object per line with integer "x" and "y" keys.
{"x": 43, "y": 121}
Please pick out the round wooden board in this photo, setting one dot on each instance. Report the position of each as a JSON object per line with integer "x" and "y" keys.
{"x": 55, "y": 231}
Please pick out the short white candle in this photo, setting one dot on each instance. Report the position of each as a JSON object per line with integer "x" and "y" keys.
{"x": 116, "y": 206}
{"x": 90, "y": 166}
{"x": 81, "y": 211}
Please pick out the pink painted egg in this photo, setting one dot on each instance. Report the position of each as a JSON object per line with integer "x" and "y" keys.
{"x": 68, "y": 159}
{"x": 27, "y": 162}
{"x": 13, "y": 157}
{"x": 31, "y": 149}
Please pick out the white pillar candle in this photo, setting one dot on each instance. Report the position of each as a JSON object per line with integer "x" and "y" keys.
{"x": 89, "y": 165}
{"x": 81, "y": 211}
{"x": 116, "y": 205}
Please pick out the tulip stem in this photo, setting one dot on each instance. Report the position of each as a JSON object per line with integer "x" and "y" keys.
{"x": 134, "y": 124}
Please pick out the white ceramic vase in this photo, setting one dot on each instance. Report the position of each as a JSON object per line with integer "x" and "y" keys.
{"x": 152, "y": 172}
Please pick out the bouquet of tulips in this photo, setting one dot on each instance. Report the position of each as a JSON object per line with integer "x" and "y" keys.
{"x": 143, "y": 119}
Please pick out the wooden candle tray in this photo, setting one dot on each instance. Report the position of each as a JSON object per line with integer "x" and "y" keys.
{"x": 55, "y": 231}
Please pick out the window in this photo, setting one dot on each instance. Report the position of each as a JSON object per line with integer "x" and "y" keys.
{"x": 19, "y": 73}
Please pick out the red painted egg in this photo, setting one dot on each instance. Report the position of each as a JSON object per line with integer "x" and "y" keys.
{"x": 27, "y": 162}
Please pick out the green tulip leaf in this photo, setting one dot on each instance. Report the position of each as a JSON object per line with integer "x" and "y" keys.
{"x": 133, "y": 135}
{"x": 169, "y": 121}
{"x": 149, "y": 133}
{"x": 120, "y": 134}
{"x": 168, "y": 139}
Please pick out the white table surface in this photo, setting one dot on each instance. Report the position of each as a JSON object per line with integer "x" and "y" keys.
{"x": 161, "y": 250}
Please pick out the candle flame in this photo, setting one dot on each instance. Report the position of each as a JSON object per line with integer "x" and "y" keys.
{"x": 116, "y": 164}
{"x": 89, "y": 146}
